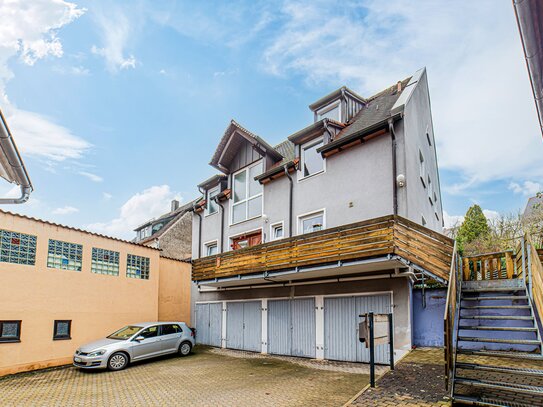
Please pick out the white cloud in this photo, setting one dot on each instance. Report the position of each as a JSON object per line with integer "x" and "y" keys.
{"x": 29, "y": 30}
{"x": 145, "y": 205}
{"x": 106, "y": 196}
{"x": 79, "y": 70}
{"x": 490, "y": 214}
{"x": 484, "y": 116}
{"x": 527, "y": 188}
{"x": 91, "y": 176}
{"x": 115, "y": 29}
{"x": 452, "y": 220}
{"x": 65, "y": 210}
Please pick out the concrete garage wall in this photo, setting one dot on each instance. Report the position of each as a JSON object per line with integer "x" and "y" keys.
{"x": 428, "y": 322}
{"x": 400, "y": 288}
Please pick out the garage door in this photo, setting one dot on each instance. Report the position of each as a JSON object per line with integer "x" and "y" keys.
{"x": 244, "y": 325}
{"x": 341, "y": 318}
{"x": 209, "y": 323}
{"x": 291, "y": 327}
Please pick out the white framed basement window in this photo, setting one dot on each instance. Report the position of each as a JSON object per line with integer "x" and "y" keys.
{"x": 211, "y": 206}
{"x": 312, "y": 161}
{"x": 247, "y": 202}
{"x": 311, "y": 222}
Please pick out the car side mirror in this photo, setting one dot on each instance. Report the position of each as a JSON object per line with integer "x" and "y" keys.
{"x": 139, "y": 338}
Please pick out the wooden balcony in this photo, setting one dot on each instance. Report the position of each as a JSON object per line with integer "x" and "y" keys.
{"x": 388, "y": 235}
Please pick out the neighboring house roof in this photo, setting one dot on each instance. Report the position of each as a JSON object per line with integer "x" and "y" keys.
{"x": 170, "y": 218}
{"x": 534, "y": 205}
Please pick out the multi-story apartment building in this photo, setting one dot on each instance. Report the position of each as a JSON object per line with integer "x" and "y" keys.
{"x": 291, "y": 243}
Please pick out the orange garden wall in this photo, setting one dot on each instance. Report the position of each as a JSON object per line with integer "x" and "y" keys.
{"x": 97, "y": 304}
{"x": 174, "y": 291}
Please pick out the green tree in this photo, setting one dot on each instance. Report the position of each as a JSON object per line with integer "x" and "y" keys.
{"x": 474, "y": 228}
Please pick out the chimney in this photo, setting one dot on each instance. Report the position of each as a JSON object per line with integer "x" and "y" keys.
{"x": 175, "y": 205}
{"x": 399, "y": 86}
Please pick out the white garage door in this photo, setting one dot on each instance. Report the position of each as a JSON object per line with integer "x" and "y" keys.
{"x": 209, "y": 323}
{"x": 291, "y": 327}
{"x": 244, "y": 325}
{"x": 341, "y": 318}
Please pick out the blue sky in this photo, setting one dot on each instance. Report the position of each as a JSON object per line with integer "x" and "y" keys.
{"x": 118, "y": 106}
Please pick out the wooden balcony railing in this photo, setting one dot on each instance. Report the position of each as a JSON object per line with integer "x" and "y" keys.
{"x": 535, "y": 262}
{"x": 372, "y": 238}
{"x": 489, "y": 266}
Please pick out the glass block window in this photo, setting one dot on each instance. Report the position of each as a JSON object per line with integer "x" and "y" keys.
{"x": 105, "y": 262}
{"x": 17, "y": 248}
{"x": 64, "y": 255}
{"x": 10, "y": 331}
{"x": 62, "y": 329}
{"x": 137, "y": 267}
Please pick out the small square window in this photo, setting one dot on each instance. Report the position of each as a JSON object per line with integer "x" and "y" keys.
{"x": 211, "y": 249}
{"x": 105, "y": 262}
{"x": 64, "y": 255}
{"x": 10, "y": 331}
{"x": 277, "y": 231}
{"x": 62, "y": 329}
{"x": 137, "y": 267}
{"x": 17, "y": 248}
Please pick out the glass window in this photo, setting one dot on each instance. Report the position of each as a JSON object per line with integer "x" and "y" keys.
{"x": 17, "y": 248}
{"x": 212, "y": 206}
{"x": 156, "y": 227}
{"x": 10, "y": 331}
{"x": 312, "y": 162}
{"x": 171, "y": 329}
{"x": 125, "y": 333}
{"x": 277, "y": 231}
{"x": 428, "y": 138}
{"x": 137, "y": 267}
{"x": 64, "y": 255}
{"x": 247, "y": 194}
{"x": 150, "y": 332}
{"x": 430, "y": 191}
{"x": 422, "y": 169}
{"x": 330, "y": 113}
{"x": 211, "y": 249}
{"x": 62, "y": 329}
{"x": 105, "y": 262}
{"x": 312, "y": 223}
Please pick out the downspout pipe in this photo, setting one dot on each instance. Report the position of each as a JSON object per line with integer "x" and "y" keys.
{"x": 7, "y": 145}
{"x": 221, "y": 240}
{"x": 394, "y": 167}
{"x": 289, "y": 201}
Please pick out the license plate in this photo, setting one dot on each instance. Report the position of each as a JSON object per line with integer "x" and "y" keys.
{"x": 78, "y": 360}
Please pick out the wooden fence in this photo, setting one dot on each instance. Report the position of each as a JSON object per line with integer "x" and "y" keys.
{"x": 489, "y": 266}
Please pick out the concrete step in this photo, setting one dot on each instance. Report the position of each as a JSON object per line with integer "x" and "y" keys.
{"x": 501, "y": 354}
{"x": 508, "y": 387}
{"x": 500, "y": 369}
{"x": 499, "y": 340}
{"x": 496, "y": 328}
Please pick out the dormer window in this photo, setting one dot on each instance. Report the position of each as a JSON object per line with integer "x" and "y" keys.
{"x": 332, "y": 111}
{"x": 211, "y": 205}
{"x": 312, "y": 161}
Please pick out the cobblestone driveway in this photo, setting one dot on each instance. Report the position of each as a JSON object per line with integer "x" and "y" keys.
{"x": 203, "y": 379}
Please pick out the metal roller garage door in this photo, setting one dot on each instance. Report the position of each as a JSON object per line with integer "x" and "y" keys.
{"x": 341, "y": 318}
{"x": 291, "y": 327}
{"x": 244, "y": 325}
{"x": 209, "y": 323}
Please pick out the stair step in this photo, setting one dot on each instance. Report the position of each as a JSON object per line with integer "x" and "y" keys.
{"x": 513, "y": 387}
{"x": 497, "y": 328}
{"x": 501, "y": 354}
{"x": 493, "y": 289}
{"x": 472, "y": 401}
{"x": 498, "y": 307}
{"x": 496, "y": 340}
{"x": 496, "y": 298}
{"x": 500, "y": 369}
{"x": 498, "y": 317}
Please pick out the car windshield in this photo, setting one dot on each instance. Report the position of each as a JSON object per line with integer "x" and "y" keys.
{"x": 125, "y": 333}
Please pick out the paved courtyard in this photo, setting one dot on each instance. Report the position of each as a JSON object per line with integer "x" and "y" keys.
{"x": 206, "y": 378}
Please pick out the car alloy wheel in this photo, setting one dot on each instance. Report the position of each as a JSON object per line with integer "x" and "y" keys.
{"x": 184, "y": 349}
{"x": 118, "y": 361}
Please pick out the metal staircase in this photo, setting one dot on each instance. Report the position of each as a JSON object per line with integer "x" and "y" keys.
{"x": 498, "y": 353}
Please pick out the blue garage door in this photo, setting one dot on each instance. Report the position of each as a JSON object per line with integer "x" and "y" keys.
{"x": 341, "y": 318}
{"x": 291, "y": 327}
{"x": 244, "y": 325}
{"x": 209, "y": 324}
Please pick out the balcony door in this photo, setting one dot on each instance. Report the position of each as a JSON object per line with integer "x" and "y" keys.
{"x": 247, "y": 240}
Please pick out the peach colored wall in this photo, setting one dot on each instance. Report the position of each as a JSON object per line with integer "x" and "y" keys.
{"x": 97, "y": 304}
{"x": 174, "y": 291}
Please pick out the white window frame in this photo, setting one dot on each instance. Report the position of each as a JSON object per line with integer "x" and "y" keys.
{"x": 300, "y": 218}
{"x": 208, "y": 198}
{"x": 273, "y": 226}
{"x": 247, "y": 197}
{"x": 303, "y": 147}
{"x": 329, "y": 107}
{"x": 209, "y": 244}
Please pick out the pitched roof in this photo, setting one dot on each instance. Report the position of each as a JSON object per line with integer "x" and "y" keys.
{"x": 170, "y": 218}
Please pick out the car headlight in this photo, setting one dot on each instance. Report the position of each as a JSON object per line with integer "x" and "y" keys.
{"x": 96, "y": 353}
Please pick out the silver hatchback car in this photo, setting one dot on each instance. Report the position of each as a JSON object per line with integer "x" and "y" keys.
{"x": 135, "y": 342}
